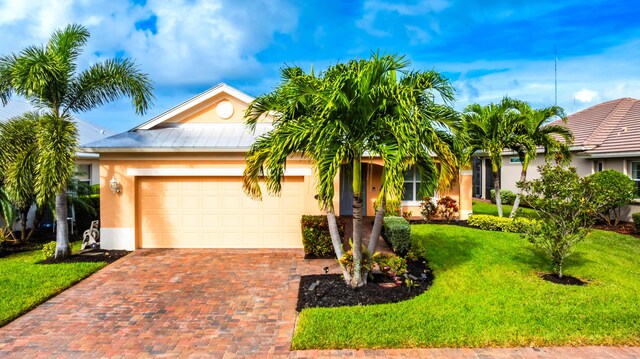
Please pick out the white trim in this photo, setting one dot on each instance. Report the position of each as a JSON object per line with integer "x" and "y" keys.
{"x": 466, "y": 172}
{"x": 194, "y": 101}
{"x": 611, "y": 155}
{"x": 118, "y": 238}
{"x": 99, "y": 150}
{"x": 410, "y": 203}
{"x": 205, "y": 172}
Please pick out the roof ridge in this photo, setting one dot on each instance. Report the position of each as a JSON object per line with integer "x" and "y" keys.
{"x": 604, "y": 129}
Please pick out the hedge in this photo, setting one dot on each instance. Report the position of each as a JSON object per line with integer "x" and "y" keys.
{"x": 506, "y": 196}
{"x": 503, "y": 224}
{"x": 636, "y": 220}
{"x": 397, "y": 233}
{"x": 316, "y": 238}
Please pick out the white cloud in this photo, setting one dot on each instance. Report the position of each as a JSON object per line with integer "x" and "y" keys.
{"x": 372, "y": 8}
{"x": 586, "y": 96}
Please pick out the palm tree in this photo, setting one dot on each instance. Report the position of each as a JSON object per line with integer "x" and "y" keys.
{"x": 374, "y": 107}
{"x": 536, "y": 132}
{"x": 18, "y": 158}
{"x": 491, "y": 128}
{"x": 47, "y": 77}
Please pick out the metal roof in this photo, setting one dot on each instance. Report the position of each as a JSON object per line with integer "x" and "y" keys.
{"x": 185, "y": 137}
{"x": 87, "y": 132}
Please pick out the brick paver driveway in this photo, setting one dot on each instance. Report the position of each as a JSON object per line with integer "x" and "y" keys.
{"x": 201, "y": 303}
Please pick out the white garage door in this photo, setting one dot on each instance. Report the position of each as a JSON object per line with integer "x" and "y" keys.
{"x": 214, "y": 212}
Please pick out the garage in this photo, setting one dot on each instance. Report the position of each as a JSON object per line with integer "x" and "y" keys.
{"x": 214, "y": 212}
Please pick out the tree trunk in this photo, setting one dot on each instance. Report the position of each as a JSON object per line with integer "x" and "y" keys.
{"x": 36, "y": 221}
{"x": 337, "y": 242}
{"x": 23, "y": 224}
{"x": 357, "y": 280}
{"x": 496, "y": 187}
{"x": 516, "y": 203}
{"x": 377, "y": 226}
{"x": 62, "y": 233}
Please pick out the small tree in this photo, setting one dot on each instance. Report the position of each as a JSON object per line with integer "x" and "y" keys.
{"x": 612, "y": 190}
{"x": 564, "y": 202}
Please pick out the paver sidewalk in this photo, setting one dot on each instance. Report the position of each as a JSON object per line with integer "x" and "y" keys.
{"x": 202, "y": 303}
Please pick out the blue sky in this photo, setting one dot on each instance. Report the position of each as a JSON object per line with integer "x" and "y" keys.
{"x": 488, "y": 49}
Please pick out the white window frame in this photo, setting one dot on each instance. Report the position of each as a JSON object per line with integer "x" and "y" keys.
{"x": 415, "y": 201}
{"x": 598, "y": 166}
{"x": 635, "y": 173}
{"x": 89, "y": 170}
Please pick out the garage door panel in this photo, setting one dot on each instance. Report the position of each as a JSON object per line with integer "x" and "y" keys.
{"x": 214, "y": 212}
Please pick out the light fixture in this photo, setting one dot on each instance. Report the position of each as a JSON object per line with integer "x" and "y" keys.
{"x": 115, "y": 186}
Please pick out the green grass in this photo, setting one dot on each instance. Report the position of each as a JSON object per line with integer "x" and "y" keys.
{"x": 25, "y": 284}
{"x": 491, "y": 209}
{"x": 487, "y": 292}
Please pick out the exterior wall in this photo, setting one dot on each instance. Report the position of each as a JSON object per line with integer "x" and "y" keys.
{"x": 118, "y": 211}
{"x": 206, "y": 112}
{"x": 462, "y": 192}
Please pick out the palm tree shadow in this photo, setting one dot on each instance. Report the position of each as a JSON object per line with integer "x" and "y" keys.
{"x": 451, "y": 251}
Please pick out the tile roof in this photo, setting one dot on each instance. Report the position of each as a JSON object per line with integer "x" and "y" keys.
{"x": 87, "y": 132}
{"x": 609, "y": 127}
{"x": 186, "y": 137}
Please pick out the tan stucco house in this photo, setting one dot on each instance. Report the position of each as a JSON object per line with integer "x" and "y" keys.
{"x": 180, "y": 182}
{"x": 606, "y": 136}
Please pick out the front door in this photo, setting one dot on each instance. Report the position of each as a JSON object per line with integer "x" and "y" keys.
{"x": 346, "y": 190}
{"x": 488, "y": 179}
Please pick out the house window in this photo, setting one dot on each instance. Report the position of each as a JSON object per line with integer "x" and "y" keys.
{"x": 598, "y": 166}
{"x": 411, "y": 185}
{"x": 635, "y": 175}
{"x": 515, "y": 160}
{"x": 83, "y": 174}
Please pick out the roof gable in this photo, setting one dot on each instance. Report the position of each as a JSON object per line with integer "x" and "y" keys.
{"x": 221, "y": 103}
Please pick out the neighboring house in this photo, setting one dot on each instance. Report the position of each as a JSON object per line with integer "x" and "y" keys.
{"x": 607, "y": 136}
{"x": 88, "y": 163}
{"x": 180, "y": 182}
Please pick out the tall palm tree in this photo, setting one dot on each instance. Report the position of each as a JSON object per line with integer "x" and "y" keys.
{"x": 375, "y": 107}
{"x": 47, "y": 77}
{"x": 536, "y": 132}
{"x": 18, "y": 158}
{"x": 491, "y": 128}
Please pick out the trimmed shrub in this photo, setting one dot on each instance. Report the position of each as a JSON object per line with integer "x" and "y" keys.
{"x": 611, "y": 190}
{"x": 397, "y": 233}
{"x": 506, "y": 196}
{"x": 48, "y": 250}
{"x": 315, "y": 235}
{"x": 502, "y": 224}
{"x": 636, "y": 220}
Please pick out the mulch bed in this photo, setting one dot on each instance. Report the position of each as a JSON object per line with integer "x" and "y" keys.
{"x": 565, "y": 280}
{"x": 330, "y": 290}
{"x": 91, "y": 255}
{"x": 628, "y": 228}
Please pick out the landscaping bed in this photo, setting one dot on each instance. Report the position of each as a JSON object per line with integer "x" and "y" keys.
{"x": 90, "y": 255}
{"x": 628, "y": 228}
{"x": 330, "y": 290}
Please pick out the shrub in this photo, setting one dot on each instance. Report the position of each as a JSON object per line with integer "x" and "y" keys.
{"x": 347, "y": 261}
{"x": 506, "y": 196}
{"x": 611, "y": 191}
{"x": 448, "y": 208}
{"x": 564, "y": 203}
{"x": 636, "y": 220}
{"x": 316, "y": 239}
{"x": 397, "y": 232}
{"x": 390, "y": 263}
{"x": 392, "y": 207}
{"x": 428, "y": 209}
{"x": 503, "y": 224}
{"x": 48, "y": 250}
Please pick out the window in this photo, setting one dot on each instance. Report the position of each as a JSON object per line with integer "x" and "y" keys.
{"x": 598, "y": 166}
{"x": 411, "y": 185}
{"x": 635, "y": 175}
{"x": 84, "y": 174}
{"x": 515, "y": 160}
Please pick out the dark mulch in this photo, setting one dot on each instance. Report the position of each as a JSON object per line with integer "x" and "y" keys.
{"x": 313, "y": 256}
{"x": 39, "y": 238}
{"x": 331, "y": 291}
{"x": 565, "y": 280}
{"x": 628, "y": 228}
{"x": 92, "y": 255}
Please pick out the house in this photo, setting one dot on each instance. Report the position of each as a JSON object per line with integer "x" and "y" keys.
{"x": 606, "y": 136}
{"x": 87, "y": 163}
{"x": 177, "y": 182}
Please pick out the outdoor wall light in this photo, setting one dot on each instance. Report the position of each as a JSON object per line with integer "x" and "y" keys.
{"x": 115, "y": 186}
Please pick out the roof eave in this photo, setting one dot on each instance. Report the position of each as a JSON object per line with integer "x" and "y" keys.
{"x": 163, "y": 149}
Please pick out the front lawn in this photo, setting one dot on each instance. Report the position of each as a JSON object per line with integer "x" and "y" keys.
{"x": 25, "y": 284}
{"x": 487, "y": 292}
{"x": 480, "y": 207}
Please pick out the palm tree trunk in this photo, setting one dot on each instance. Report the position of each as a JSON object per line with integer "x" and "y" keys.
{"x": 357, "y": 280}
{"x": 377, "y": 226}
{"x": 36, "y": 221}
{"x": 337, "y": 242}
{"x": 516, "y": 203}
{"x": 62, "y": 233}
{"x": 496, "y": 187}
{"x": 23, "y": 225}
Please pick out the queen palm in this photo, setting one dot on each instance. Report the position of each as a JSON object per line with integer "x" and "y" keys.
{"x": 47, "y": 77}
{"x": 492, "y": 128}
{"x": 536, "y": 132}
{"x": 373, "y": 107}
